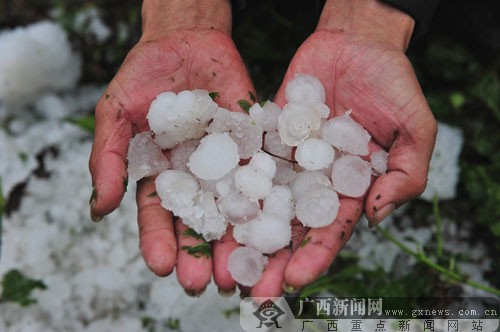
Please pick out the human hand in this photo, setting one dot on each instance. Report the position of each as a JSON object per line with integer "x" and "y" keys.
{"x": 176, "y": 52}
{"x": 357, "y": 52}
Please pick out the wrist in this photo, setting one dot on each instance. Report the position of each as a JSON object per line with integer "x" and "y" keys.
{"x": 371, "y": 18}
{"x": 161, "y": 16}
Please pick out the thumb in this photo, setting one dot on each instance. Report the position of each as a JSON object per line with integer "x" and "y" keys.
{"x": 406, "y": 177}
{"x": 108, "y": 159}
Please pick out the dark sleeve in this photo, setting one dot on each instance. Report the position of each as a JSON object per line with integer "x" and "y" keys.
{"x": 420, "y": 10}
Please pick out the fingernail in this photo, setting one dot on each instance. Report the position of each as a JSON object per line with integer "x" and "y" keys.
{"x": 195, "y": 292}
{"x": 226, "y": 292}
{"x": 289, "y": 289}
{"x": 381, "y": 214}
{"x": 93, "y": 216}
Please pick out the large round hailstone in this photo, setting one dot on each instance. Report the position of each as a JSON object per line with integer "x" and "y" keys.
{"x": 285, "y": 174}
{"x": 266, "y": 233}
{"x": 305, "y": 181}
{"x": 265, "y": 163}
{"x": 314, "y": 154}
{"x": 175, "y": 118}
{"x": 246, "y": 265}
{"x": 144, "y": 157}
{"x": 347, "y": 135}
{"x": 245, "y": 132}
{"x": 216, "y": 156}
{"x": 252, "y": 182}
{"x": 296, "y": 122}
{"x": 318, "y": 207}
{"x": 305, "y": 89}
{"x": 379, "y": 161}
{"x": 351, "y": 176}
{"x": 177, "y": 191}
{"x": 280, "y": 202}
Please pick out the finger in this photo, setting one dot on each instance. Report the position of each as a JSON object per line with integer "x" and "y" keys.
{"x": 406, "y": 177}
{"x": 194, "y": 261}
{"x": 108, "y": 165}
{"x": 221, "y": 250}
{"x": 157, "y": 239}
{"x": 320, "y": 246}
{"x": 273, "y": 278}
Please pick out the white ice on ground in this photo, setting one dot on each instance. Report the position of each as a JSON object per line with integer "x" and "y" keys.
{"x": 176, "y": 118}
{"x": 215, "y": 157}
{"x": 246, "y": 265}
{"x": 145, "y": 158}
{"x": 347, "y": 135}
{"x": 89, "y": 21}
{"x": 35, "y": 59}
{"x": 351, "y": 176}
{"x": 444, "y": 169}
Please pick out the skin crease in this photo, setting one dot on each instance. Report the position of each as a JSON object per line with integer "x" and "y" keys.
{"x": 371, "y": 76}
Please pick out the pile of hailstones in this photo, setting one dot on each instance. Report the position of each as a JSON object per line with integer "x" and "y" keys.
{"x": 201, "y": 180}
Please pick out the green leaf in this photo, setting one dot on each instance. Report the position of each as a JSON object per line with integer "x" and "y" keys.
{"x": 252, "y": 96}
{"x": 213, "y": 95}
{"x": 173, "y": 323}
{"x": 124, "y": 183}
{"x": 233, "y": 311}
{"x": 85, "y": 122}
{"x": 192, "y": 233}
{"x": 245, "y": 105}
{"x": 201, "y": 250}
{"x": 17, "y": 288}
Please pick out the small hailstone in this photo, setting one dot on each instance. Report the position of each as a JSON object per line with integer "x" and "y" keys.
{"x": 280, "y": 202}
{"x": 351, "y": 176}
{"x": 265, "y": 163}
{"x": 314, "y": 154}
{"x": 237, "y": 208}
{"x": 267, "y": 233}
{"x": 266, "y": 115}
{"x": 307, "y": 180}
{"x": 347, "y": 135}
{"x": 175, "y": 118}
{"x": 145, "y": 158}
{"x": 306, "y": 89}
{"x": 177, "y": 191}
{"x": 246, "y": 265}
{"x": 273, "y": 144}
{"x": 318, "y": 207}
{"x": 245, "y": 132}
{"x": 216, "y": 156}
{"x": 296, "y": 122}
{"x": 205, "y": 217}
{"x": 252, "y": 182}
{"x": 179, "y": 155}
{"x": 379, "y": 161}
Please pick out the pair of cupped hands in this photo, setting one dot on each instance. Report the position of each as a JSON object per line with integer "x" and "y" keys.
{"x": 373, "y": 78}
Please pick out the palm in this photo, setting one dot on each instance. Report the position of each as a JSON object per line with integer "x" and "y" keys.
{"x": 183, "y": 60}
{"x": 377, "y": 82}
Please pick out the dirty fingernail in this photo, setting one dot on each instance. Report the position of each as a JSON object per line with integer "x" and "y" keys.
{"x": 381, "y": 214}
{"x": 195, "y": 292}
{"x": 226, "y": 292}
{"x": 289, "y": 289}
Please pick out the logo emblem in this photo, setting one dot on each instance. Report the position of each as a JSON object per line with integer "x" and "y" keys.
{"x": 268, "y": 314}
